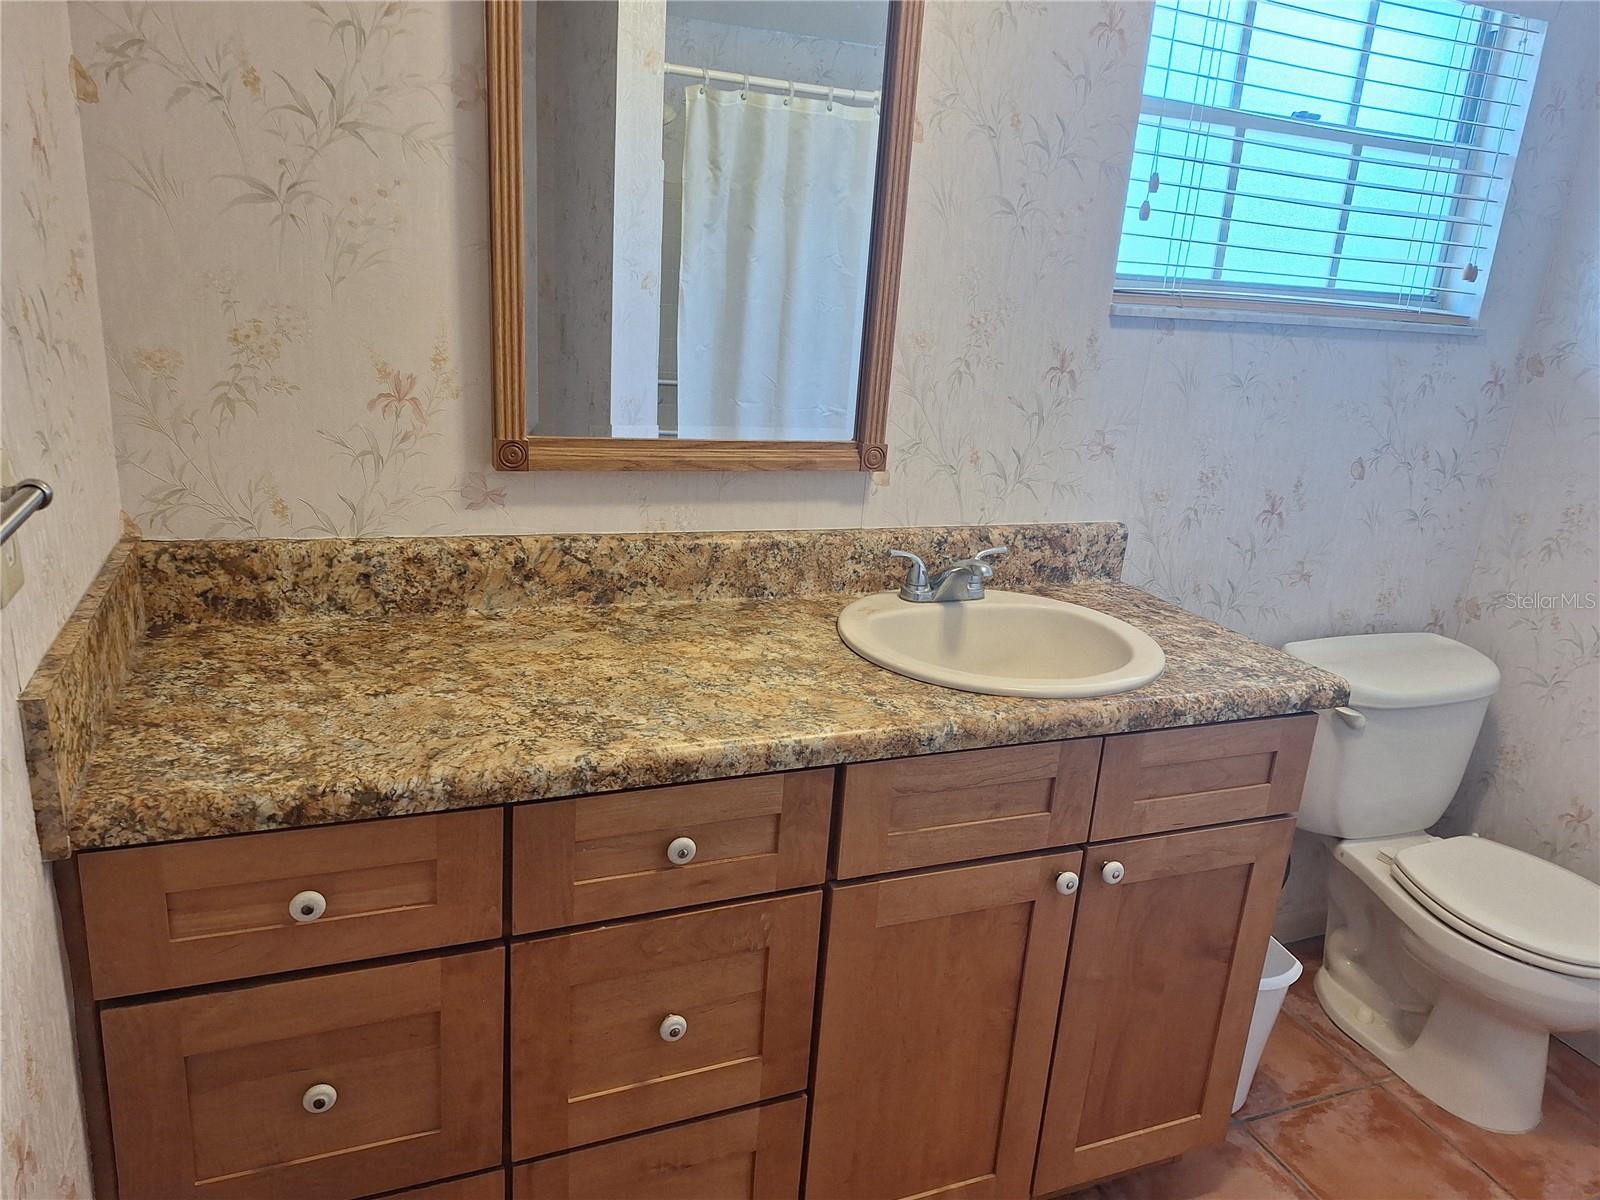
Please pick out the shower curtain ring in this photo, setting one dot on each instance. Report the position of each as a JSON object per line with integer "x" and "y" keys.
{"x": 791, "y": 94}
{"x": 745, "y": 93}
{"x": 830, "y": 99}
{"x": 705, "y": 79}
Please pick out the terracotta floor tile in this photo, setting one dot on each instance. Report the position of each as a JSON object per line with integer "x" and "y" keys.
{"x": 1302, "y": 1003}
{"x": 1297, "y": 1066}
{"x": 1237, "y": 1169}
{"x": 1560, "y": 1160}
{"x": 1574, "y": 1076}
{"x": 1367, "y": 1145}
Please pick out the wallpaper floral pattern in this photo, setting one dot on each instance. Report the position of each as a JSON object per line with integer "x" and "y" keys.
{"x": 56, "y": 424}
{"x": 290, "y": 206}
{"x": 289, "y": 209}
{"x": 1532, "y": 601}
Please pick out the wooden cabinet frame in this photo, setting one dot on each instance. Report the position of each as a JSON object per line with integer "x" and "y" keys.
{"x": 515, "y": 450}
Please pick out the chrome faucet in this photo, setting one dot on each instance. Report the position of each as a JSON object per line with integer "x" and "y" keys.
{"x": 961, "y": 580}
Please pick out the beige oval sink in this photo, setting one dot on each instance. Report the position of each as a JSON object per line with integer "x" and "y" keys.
{"x": 1007, "y": 644}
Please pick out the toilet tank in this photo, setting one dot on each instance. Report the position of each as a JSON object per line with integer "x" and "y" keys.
{"x": 1391, "y": 761}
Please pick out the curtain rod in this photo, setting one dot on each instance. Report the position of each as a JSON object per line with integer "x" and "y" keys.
{"x": 781, "y": 85}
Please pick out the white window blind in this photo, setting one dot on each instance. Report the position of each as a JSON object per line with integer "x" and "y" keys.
{"x": 1341, "y": 157}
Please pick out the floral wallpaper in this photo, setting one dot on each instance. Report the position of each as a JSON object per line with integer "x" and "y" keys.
{"x": 1532, "y": 601}
{"x": 290, "y": 209}
{"x": 56, "y": 424}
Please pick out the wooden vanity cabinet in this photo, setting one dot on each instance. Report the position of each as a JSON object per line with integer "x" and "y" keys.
{"x": 939, "y": 1008}
{"x": 1037, "y": 966}
{"x": 1166, "y": 958}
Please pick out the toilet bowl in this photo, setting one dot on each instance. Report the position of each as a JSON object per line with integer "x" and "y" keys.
{"x": 1452, "y": 960}
{"x": 1465, "y": 1024}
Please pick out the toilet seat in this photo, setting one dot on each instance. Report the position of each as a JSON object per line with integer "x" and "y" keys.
{"x": 1507, "y": 901}
{"x": 1490, "y": 942}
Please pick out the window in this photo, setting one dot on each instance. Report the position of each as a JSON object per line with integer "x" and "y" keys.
{"x": 1343, "y": 158}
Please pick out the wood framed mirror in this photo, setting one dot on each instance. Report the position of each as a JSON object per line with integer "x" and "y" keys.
{"x": 569, "y": 357}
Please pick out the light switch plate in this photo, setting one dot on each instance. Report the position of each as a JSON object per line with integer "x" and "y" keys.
{"x": 11, "y": 553}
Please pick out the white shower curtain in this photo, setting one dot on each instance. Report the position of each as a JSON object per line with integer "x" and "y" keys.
{"x": 777, "y": 217}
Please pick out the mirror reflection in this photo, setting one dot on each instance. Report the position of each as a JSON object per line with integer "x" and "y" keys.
{"x": 699, "y": 180}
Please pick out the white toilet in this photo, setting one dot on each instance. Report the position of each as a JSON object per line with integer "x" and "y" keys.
{"x": 1451, "y": 959}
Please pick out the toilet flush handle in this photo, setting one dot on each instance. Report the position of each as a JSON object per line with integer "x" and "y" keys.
{"x": 1352, "y": 717}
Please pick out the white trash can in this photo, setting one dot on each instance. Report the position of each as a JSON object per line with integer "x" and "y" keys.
{"x": 1277, "y": 974}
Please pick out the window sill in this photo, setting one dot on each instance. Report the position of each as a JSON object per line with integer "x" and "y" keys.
{"x": 1322, "y": 316}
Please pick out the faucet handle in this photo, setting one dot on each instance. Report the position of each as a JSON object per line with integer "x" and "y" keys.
{"x": 916, "y": 585}
{"x": 985, "y": 561}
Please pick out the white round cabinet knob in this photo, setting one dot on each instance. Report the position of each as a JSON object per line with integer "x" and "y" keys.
{"x": 319, "y": 1098}
{"x": 673, "y": 1027}
{"x": 308, "y": 906}
{"x": 1067, "y": 882}
{"x": 1112, "y": 872}
{"x": 681, "y": 850}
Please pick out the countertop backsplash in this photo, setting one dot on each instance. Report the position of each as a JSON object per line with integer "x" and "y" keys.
{"x": 266, "y": 577}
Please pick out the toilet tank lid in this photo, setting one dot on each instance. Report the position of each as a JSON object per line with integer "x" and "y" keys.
{"x": 1402, "y": 670}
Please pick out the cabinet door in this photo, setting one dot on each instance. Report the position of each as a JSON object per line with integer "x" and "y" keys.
{"x": 752, "y": 1154}
{"x": 1165, "y": 964}
{"x": 329, "y": 1087}
{"x": 938, "y": 1012}
{"x": 593, "y": 1055}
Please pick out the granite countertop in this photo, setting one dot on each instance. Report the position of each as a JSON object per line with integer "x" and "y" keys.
{"x": 205, "y": 688}
{"x": 229, "y": 727}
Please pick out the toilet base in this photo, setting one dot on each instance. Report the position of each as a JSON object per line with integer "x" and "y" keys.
{"x": 1468, "y": 1060}
{"x": 1465, "y": 1025}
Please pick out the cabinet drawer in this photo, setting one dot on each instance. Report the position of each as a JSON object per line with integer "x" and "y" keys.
{"x": 199, "y": 912}
{"x": 598, "y": 857}
{"x": 942, "y": 808}
{"x": 210, "y": 1093}
{"x": 592, "y": 1055}
{"x": 1204, "y": 775}
{"x": 753, "y": 1154}
{"x": 491, "y": 1185}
